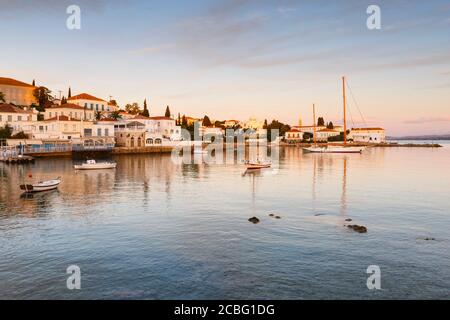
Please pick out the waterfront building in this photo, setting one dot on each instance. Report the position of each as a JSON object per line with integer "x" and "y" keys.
{"x": 130, "y": 134}
{"x": 324, "y": 134}
{"x": 308, "y": 129}
{"x": 17, "y": 92}
{"x": 210, "y": 131}
{"x": 293, "y": 136}
{"x": 254, "y": 124}
{"x": 70, "y": 110}
{"x": 19, "y": 119}
{"x": 92, "y": 103}
{"x": 370, "y": 135}
{"x": 72, "y": 130}
{"x": 164, "y": 127}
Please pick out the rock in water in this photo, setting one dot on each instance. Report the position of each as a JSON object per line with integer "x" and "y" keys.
{"x": 357, "y": 228}
{"x": 348, "y": 220}
{"x": 254, "y": 220}
{"x": 277, "y": 217}
{"x": 271, "y": 215}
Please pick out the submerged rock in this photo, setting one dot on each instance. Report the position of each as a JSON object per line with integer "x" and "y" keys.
{"x": 277, "y": 217}
{"x": 357, "y": 228}
{"x": 348, "y": 220}
{"x": 271, "y": 215}
{"x": 254, "y": 220}
{"x": 427, "y": 239}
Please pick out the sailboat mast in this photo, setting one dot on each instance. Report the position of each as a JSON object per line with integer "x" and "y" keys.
{"x": 345, "y": 111}
{"x": 314, "y": 121}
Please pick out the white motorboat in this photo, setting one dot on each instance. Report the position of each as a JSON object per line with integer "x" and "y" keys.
{"x": 41, "y": 185}
{"x": 94, "y": 165}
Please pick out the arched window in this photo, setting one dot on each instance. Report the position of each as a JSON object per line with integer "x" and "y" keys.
{"x": 158, "y": 141}
{"x": 149, "y": 141}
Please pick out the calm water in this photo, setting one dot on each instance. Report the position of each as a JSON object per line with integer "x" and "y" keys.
{"x": 155, "y": 230}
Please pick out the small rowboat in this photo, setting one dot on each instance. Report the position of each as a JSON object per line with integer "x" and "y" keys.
{"x": 258, "y": 165}
{"x": 334, "y": 149}
{"x": 41, "y": 186}
{"x": 93, "y": 165}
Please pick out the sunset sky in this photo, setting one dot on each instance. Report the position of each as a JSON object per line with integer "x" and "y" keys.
{"x": 232, "y": 59}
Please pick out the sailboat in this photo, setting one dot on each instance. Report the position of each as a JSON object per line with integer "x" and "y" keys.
{"x": 334, "y": 149}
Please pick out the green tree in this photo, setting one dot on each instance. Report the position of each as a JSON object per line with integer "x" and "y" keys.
{"x": 145, "y": 113}
{"x": 320, "y": 121}
{"x": 43, "y": 97}
{"x": 330, "y": 125}
{"x": 115, "y": 115}
{"x": 69, "y": 94}
{"x": 63, "y": 100}
{"x": 33, "y": 83}
{"x": 179, "y": 120}
{"x": 206, "y": 122}
{"x": 167, "y": 114}
{"x": 97, "y": 115}
{"x": 132, "y": 108}
{"x": 6, "y": 131}
{"x": 184, "y": 122}
{"x": 2, "y": 97}
{"x": 265, "y": 124}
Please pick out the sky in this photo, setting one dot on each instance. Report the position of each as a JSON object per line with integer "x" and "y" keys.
{"x": 235, "y": 59}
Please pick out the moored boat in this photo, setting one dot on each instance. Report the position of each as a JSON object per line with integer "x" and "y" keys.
{"x": 41, "y": 185}
{"x": 94, "y": 165}
{"x": 258, "y": 165}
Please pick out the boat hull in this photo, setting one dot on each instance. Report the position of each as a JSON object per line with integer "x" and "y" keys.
{"x": 96, "y": 166}
{"x": 40, "y": 187}
{"x": 334, "y": 149}
{"x": 257, "y": 166}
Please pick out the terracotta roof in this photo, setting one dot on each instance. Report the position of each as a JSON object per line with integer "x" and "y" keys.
{"x": 367, "y": 129}
{"x": 140, "y": 116}
{"x": 62, "y": 118}
{"x": 85, "y": 96}
{"x": 67, "y": 106}
{"x": 293, "y": 130}
{"x": 13, "y": 82}
{"x": 8, "y": 108}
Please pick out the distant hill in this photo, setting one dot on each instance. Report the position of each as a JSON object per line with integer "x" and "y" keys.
{"x": 424, "y": 137}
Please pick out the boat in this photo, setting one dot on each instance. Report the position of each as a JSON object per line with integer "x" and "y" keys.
{"x": 329, "y": 148}
{"x": 41, "y": 186}
{"x": 93, "y": 165}
{"x": 255, "y": 165}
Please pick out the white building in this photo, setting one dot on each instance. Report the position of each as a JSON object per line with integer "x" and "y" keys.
{"x": 324, "y": 134}
{"x": 164, "y": 127}
{"x": 19, "y": 119}
{"x": 369, "y": 135}
{"x": 210, "y": 131}
{"x": 254, "y": 124}
{"x": 293, "y": 135}
{"x": 70, "y": 110}
{"x": 92, "y": 103}
{"x": 17, "y": 92}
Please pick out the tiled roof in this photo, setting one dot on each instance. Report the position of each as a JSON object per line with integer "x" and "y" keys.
{"x": 160, "y": 118}
{"x": 140, "y": 116}
{"x": 13, "y": 82}
{"x": 328, "y": 130}
{"x": 8, "y": 108}
{"x": 85, "y": 96}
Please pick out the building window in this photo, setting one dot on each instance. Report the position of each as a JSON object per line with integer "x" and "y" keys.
{"x": 85, "y": 105}
{"x": 19, "y": 118}
{"x": 103, "y": 107}
{"x": 9, "y": 118}
{"x": 107, "y": 132}
{"x": 88, "y": 132}
{"x": 96, "y": 107}
{"x": 49, "y": 114}
{"x": 92, "y": 106}
{"x": 99, "y": 132}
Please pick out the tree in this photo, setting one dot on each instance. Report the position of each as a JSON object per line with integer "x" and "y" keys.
{"x": 63, "y": 100}
{"x": 132, "y": 108}
{"x": 2, "y": 97}
{"x": 184, "y": 122}
{"x": 69, "y": 94}
{"x": 320, "y": 121}
{"x": 167, "y": 114}
{"x": 276, "y": 125}
{"x": 34, "y": 83}
{"x": 265, "y": 124}
{"x": 115, "y": 115}
{"x": 43, "y": 96}
{"x": 330, "y": 125}
{"x": 97, "y": 115}
{"x": 6, "y": 131}
{"x": 19, "y": 135}
{"x": 145, "y": 113}
{"x": 206, "y": 122}
{"x": 179, "y": 119}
